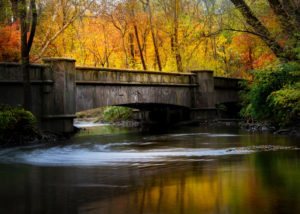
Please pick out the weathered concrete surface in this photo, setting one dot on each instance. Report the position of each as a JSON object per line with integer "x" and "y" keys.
{"x": 226, "y": 90}
{"x": 59, "y": 90}
{"x": 106, "y": 75}
{"x": 11, "y": 86}
{"x": 204, "y": 93}
{"x": 59, "y": 103}
{"x": 106, "y": 87}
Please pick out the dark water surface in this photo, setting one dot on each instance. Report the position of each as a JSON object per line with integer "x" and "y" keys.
{"x": 187, "y": 170}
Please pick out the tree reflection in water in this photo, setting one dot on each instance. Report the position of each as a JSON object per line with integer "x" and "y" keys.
{"x": 230, "y": 185}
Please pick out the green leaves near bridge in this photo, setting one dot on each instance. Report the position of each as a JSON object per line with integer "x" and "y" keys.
{"x": 117, "y": 113}
{"x": 16, "y": 124}
{"x": 274, "y": 96}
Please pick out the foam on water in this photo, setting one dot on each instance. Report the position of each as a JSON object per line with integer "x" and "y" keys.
{"x": 191, "y": 135}
{"x": 100, "y": 155}
{"x": 89, "y": 124}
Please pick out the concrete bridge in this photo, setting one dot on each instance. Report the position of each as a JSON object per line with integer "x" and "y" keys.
{"x": 59, "y": 90}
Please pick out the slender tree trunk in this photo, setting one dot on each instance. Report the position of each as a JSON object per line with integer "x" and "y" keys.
{"x": 25, "y": 56}
{"x": 14, "y": 8}
{"x": 131, "y": 47}
{"x": 137, "y": 37}
{"x": 33, "y": 24}
{"x": 25, "y": 48}
{"x": 125, "y": 51}
{"x": 284, "y": 18}
{"x": 153, "y": 37}
{"x": 139, "y": 47}
{"x": 175, "y": 37}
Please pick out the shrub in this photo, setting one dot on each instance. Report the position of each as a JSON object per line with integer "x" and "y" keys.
{"x": 274, "y": 95}
{"x": 16, "y": 124}
{"x": 116, "y": 113}
{"x": 285, "y": 104}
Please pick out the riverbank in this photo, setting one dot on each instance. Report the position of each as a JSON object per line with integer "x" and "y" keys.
{"x": 38, "y": 137}
{"x": 249, "y": 127}
{"x": 255, "y": 127}
{"x": 261, "y": 127}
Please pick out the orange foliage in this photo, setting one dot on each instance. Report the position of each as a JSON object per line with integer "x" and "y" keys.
{"x": 109, "y": 39}
{"x": 252, "y": 52}
{"x": 10, "y": 43}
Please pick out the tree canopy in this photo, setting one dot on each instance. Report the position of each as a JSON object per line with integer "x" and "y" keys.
{"x": 231, "y": 37}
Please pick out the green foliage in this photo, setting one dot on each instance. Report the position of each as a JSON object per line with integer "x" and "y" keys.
{"x": 274, "y": 95}
{"x": 285, "y": 104}
{"x": 221, "y": 107}
{"x": 15, "y": 123}
{"x": 116, "y": 113}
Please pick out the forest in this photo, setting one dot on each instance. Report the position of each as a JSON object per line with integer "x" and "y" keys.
{"x": 256, "y": 40}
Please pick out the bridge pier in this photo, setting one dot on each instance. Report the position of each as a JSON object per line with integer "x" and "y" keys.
{"x": 59, "y": 99}
{"x": 203, "y": 96}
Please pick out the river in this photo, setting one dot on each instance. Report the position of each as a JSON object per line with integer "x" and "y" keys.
{"x": 186, "y": 170}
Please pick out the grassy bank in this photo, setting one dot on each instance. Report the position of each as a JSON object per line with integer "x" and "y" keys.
{"x": 110, "y": 114}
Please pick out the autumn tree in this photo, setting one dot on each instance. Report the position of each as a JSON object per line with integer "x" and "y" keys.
{"x": 58, "y": 15}
{"x": 287, "y": 12}
{"x": 27, "y": 16}
{"x": 154, "y": 40}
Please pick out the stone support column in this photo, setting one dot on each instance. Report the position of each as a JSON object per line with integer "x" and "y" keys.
{"x": 203, "y": 96}
{"x": 204, "y": 92}
{"x": 59, "y": 99}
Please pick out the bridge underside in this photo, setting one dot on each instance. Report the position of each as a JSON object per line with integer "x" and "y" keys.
{"x": 140, "y": 97}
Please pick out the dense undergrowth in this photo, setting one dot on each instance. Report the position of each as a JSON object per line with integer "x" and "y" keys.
{"x": 273, "y": 97}
{"x": 16, "y": 125}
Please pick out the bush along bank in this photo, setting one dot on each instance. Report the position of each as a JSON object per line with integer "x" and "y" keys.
{"x": 272, "y": 100}
{"x": 17, "y": 126}
{"x": 114, "y": 115}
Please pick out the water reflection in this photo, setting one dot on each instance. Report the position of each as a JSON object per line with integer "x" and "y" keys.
{"x": 257, "y": 182}
{"x": 226, "y": 186}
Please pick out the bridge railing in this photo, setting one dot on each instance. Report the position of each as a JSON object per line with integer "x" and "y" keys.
{"x": 86, "y": 75}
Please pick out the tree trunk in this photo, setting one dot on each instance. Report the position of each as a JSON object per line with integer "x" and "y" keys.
{"x": 175, "y": 37}
{"x": 25, "y": 48}
{"x": 125, "y": 51}
{"x": 293, "y": 11}
{"x": 14, "y": 8}
{"x": 284, "y": 18}
{"x": 25, "y": 56}
{"x": 153, "y": 36}
{"x": 139, "y": 46}
{"x": 259, "y": 28}
{"x": 131, "y": 47}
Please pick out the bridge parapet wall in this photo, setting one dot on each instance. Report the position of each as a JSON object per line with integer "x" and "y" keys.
{"x": 11, "y": 86}
{"x": 11, "y": 72}
{"x": 113, "y": 76}
{"x": 226, "y": 83}
{"x": 226, "y": 89}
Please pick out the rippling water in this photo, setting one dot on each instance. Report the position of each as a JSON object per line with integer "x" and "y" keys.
{"x": 106, "y": 169}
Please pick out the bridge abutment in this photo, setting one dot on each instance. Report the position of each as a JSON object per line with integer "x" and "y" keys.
{"x": 59, "y": 99}
{"x": 204, "y": 92}
{"x": 204, "y": 105}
